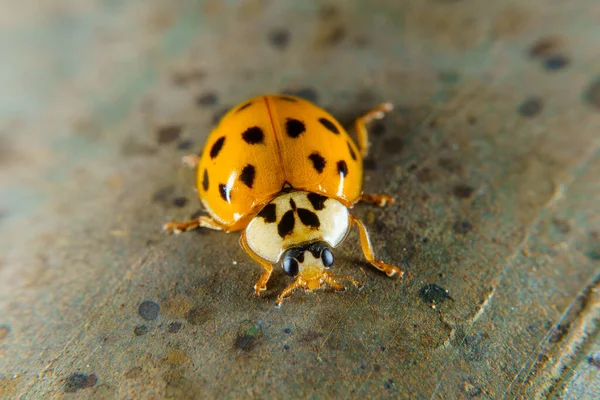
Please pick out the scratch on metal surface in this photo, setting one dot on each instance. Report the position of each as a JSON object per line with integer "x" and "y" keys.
{"x": 483, "y": 306}
{"x": 335, "y": 325}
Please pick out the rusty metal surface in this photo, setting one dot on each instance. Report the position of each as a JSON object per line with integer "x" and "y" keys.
{"x": 492, "y": 152}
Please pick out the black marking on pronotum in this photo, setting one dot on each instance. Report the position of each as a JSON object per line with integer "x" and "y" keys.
{"x": 318, "y": 161}
{"x": 269, "y": 213}
{"x": 342, "y": 168}
{"x": 293, "y": 204}
{"x": 205, "y": 181}
{"x": 286, "y": 225}
{"x": 317, "y": 201}
{"x": 329, "y": 125}
{"x": 352, "y": 153}
{"x": 216, "y": 147}
{"x": 309, "y": 218}
{"x": 294, "y": 127}
{"x": 253, "y": 135}
{"x": 286, "y": 187}
{"x": 248, "y": 104}
{"x": 290, "y": 99}
{"x": 247, "y": 175}
{"x": 225, "y": 192}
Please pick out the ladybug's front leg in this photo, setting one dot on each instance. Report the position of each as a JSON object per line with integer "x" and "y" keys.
{"x": 380, "y": 200}
{"x": 361, "y": 125}
{"x": 200, "y": 222}
{"x": 261, "y": 284}
{"x": 367, "y": 249}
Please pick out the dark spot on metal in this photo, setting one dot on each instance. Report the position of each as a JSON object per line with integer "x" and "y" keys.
{"x": 253, "y": 135}
{"x": 216, "y": 147}
{"x": 462, "y": 227}
{"x": 185, "y": 144}
{"x": 591, "y": 94}
{"x": 286, "y": 347}
{"x": 247, "y": 175}
{"x": 562, "y": 225}
{"x": 243, "y": 107}
{"x": 279, "y": 38}
{"x": 317, "y": 201}
{"x": 556, "y": 62}
{"x": 351, "y": 150}
{"x": 335, "y": 35}
{"x": 434, "y": 294}
{"x": 205, "y": 181}
{"x": 148, "y": 310}
{"x": 425, "y": 240}
{"x": 318, "y": 161}
{"x": 163, "y": 195}
{"x": 369, "y": 164}
{"x": 225, "y": 192}
{"x": 594, "y": 360}
{"x": 330, "y": 126}
{"x": 287, "y": 330}
{"x": 268, "y": 213}
{"x": 472, "y": 120}
{"x": 294, "y": 127}
{"x": 174, "y": 327}
{"x": 531, "y": 107}
{"x": 248, "y": 336}
{"x": 78, "y": 381}
{"x": 197, "y": 316}
{"x": 309, "y": 94}
{"x": 308, "y": 218}
{"x": 310, "y": 336}
{"x": 179, "y": 202}
{"x": 377, "y": 368}
{"x": 377, "y": 128}
{"x": 342, "y": 168}
{"x": 207, "y": 99}
{"x": 463, "y": 191}
{"x": 286, "y": 225}
{"x": 140, "y": 330}
{"x": 168, "y": 134}
{"x": 388, "y": 384}
{"x": 393, "y": 145}
{"x": 544, "y": 47}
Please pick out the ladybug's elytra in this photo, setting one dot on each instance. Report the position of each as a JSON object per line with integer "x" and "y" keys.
{"x": 285, "y": 173}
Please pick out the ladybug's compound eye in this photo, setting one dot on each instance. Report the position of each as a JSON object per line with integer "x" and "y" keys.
{"x": 327, "y": 257}
{"x": 290, "y": 265}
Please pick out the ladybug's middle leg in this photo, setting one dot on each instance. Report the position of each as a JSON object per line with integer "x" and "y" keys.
{"x": 367, "y": 249}
{"x": 361, "y": 129}
{"x": 261, "y": 284}
{"x": 200, "y": 222}
{"x": 380, "y": 200}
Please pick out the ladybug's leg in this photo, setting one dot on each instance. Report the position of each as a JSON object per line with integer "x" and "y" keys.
{"x": 367, "y": 249}
{"x": 338, "y": 287}
{"x": 361, "y": 129}
{"x": 379, "y": 200}
{"x": 200, "y": 222}
{"x": 261, "y": 284}
{"x": 288, "y": 291}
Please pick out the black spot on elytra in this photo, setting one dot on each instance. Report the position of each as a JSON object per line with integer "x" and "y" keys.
{"x": 148, "y": 310}
{"x": 556, "y": 62}
{"x": 248, "y": 104}
{"x": 179, "y": 202}
{"x": 317, "y": 201}
{"x": 531, "y": 107}
{"x": 286, "y": 225}
{"x": 247, "y": 175}
{"x": 342, "y": 168}
{"x": 351, "y": 150}
{"x": 294, "y": 127}
{"x": 205, "y": 181}
{"x": 174, "y": 327}
{"x": 216, "y": 147}
{"x": 225, "y": 192}
{"x": 290, "y": 99}
{"x": 168, "y": 134}
{"x": 308, "y": 218}
{"x": 253, "y": 135}
{"x": 591, "y": 94}
{"x": 434, "y": 294}
{"x": 269, "y": 213}
{"x": 463, "y": 191}
{"x": 79, "y": 381}
{"x": 463, "y": 227}
{"x": 279, "y": 38}
{"x": 329, "y": 125}
{"x": 140, "y": 330}
{"x": 206, "y": 99}
{"x": 318, "y": 161}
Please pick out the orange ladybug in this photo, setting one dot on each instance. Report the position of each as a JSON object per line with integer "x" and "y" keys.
{"x": 285, "y": 173}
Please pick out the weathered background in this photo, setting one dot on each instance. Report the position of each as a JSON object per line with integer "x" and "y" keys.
{"x": 493, "y": 154}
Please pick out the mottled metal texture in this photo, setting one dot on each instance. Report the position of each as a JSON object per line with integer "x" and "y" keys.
{"x": 492, "y": 152}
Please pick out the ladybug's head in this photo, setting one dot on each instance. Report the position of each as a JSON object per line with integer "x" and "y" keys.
{"x": 309, "y": 264}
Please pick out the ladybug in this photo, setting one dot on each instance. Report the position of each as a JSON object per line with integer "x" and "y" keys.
{"x": 285, "y": 173}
